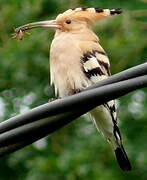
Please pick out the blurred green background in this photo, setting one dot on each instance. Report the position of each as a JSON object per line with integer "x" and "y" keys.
{"x": 77, "y": 151}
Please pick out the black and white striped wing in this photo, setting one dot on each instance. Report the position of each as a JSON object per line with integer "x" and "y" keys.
{"x": 95, "y": 65}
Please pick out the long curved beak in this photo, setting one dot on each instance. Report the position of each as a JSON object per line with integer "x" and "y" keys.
{"x": 40, "y": 24}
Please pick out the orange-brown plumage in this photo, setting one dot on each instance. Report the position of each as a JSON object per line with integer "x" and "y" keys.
{"x": 77, "y": 61}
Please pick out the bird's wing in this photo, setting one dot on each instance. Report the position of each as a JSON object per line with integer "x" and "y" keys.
{"x": 96, "y": 67}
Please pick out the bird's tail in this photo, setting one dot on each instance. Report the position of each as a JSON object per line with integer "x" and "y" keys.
{"x": 104, "y": 123}
{"x": 122, "y": 158}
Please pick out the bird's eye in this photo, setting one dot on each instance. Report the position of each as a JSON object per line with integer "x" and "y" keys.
{"x": 68, "y": 21}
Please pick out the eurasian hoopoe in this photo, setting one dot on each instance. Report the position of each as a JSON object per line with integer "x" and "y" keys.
{"x": 77, "y": 61}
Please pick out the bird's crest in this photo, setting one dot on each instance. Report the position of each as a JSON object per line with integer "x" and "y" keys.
{"x": 90, "y": 14}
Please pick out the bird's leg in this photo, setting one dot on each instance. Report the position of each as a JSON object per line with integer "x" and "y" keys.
{"x": 53, "y": 99}
{"x": 75, "y": 91}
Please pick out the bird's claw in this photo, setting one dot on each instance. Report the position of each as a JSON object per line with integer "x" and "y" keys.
{"x": 53, "y": 99}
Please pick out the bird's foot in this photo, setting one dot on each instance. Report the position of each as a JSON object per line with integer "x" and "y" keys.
{"x": 53, "y": 99}
{"x": 75, "y": 91}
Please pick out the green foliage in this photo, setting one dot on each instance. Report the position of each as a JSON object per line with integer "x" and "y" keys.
{"x": 76, "y": 151}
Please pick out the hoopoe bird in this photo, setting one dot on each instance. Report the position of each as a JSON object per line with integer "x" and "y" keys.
{"x": 77, "y": 61}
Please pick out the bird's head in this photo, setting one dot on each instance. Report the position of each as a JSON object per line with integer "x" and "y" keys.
{"x": 78, "y": 18}
{"x": 72, "y": 19}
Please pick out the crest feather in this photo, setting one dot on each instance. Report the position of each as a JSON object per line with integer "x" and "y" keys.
{"x": 89, "y": 13}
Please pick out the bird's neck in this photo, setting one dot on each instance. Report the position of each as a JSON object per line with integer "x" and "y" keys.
{"x": 83, "y": 34}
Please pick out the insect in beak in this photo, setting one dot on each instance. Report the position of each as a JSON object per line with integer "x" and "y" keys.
{"x": 19, "y": 32}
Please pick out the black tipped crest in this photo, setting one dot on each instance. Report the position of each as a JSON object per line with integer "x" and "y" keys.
{"x": 73, "y": 9}
{"x": 83, "y": 8}
{"x": 116, "y": 11}
{"x": 99, "y": 10}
